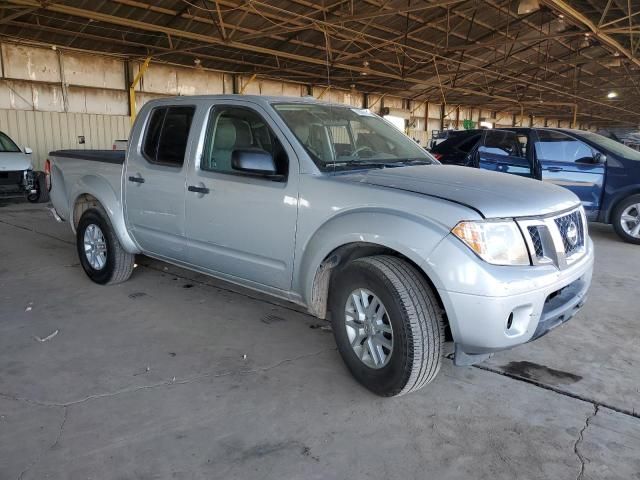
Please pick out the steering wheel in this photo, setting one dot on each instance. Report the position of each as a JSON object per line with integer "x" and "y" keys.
{"x": 362, "y": 149}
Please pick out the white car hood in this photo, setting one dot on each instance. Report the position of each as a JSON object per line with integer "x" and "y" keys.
{"x": 14, "y": 161}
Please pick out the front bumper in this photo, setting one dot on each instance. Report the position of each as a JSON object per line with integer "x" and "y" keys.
{"x": 17, "y": 183}
{"x": 493, "y": 308}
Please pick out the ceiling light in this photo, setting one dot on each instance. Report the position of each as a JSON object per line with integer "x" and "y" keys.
{"x": 528, "y": 6}
{"x": 612, "y": 95}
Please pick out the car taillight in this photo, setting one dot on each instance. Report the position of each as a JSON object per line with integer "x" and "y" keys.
{"x": 437, "y": 155}
{"x": 47, "y": 174}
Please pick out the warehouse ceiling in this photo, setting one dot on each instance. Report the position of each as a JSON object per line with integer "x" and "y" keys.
{"x": 543, "y": 57}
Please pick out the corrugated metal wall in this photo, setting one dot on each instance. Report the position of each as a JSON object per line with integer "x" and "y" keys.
{"x": 47, "y": 131}
{"x": 48, "y": 98}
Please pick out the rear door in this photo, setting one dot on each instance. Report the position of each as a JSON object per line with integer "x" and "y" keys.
{"x": 569, "y": 162}
{"x": 242, "y": 225}
{"x": 154, "y": 182}
{"x": 502, "y": 151}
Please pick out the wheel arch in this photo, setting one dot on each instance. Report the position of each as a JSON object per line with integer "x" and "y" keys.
{"x": 619, "y": 198}
{"x": 95, "y": 192}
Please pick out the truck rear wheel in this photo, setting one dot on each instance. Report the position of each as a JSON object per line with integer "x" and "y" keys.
{"x": 101, "y": 255}
{"x": 626, "y": 219}
{"x": 387, "y": 324}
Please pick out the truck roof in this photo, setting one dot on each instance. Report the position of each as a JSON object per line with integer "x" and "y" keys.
{"x": 260, "y": 99}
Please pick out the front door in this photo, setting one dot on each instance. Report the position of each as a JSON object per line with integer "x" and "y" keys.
{"x": 154, "y": 183}
{"x": 238, "y": 224}
{"x": 570, "y": 163}
{"x": 503, "y": 151}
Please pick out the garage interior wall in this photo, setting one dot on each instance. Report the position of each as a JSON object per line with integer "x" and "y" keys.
{"x": 52, "y": 99}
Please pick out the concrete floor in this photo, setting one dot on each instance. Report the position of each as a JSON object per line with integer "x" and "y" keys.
{"x": 149, "y": 380}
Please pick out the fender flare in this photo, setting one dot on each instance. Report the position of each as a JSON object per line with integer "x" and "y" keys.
{"x": 362, "y": 226}
{"x": 110, "y": 202}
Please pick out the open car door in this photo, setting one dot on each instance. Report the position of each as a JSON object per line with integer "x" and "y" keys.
{"x": 504, "y": 151}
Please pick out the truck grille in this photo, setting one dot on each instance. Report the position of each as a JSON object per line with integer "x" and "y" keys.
{"x": 558, "y": 240}
{"x": 571, "y": 231}
{"x": 534, "y": 233}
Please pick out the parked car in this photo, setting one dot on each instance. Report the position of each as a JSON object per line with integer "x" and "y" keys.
{"x": 326, "y": 206}
{"x": 17, "y": 177}
{"x": 603, "y": 173}
{"x": 439, "y": 136}
{"x": 454, "y": 149}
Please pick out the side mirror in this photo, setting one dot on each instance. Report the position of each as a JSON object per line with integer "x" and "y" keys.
{"x": 599, "y": 158}
{"x": 28, "y": 151}
{"x": 253, "y": 162}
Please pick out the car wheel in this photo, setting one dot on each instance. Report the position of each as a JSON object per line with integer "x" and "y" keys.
{"x": 101, "y": 255}
{"x": 388, "y": 324}
{"x": 626, "y": 219}
{"x": 42, "y": 193}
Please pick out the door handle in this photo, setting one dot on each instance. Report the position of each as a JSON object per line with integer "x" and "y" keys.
{"x": 555, "y": 169}
{"x": 194, "y": 188}
{"x": 136, "y": 179}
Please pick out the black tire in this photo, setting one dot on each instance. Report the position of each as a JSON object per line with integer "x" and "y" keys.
{"x": 616, "y": 219}
{"x": 42, "y": 194}
{"x": 119, "y": 263}
{"x": 415, "y": 316}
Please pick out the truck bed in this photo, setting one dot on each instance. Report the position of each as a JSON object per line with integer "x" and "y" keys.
{"x": 106, "y": 156}
{"x": 74, "y": 171}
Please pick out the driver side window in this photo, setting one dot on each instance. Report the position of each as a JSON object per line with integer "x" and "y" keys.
{"x": 559, "y": 147}
{"x": 238, "y": 128}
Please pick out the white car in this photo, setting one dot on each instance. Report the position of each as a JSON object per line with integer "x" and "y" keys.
{"x": 17, "y": 177}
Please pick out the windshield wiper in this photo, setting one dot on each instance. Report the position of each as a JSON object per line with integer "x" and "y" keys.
{"x": 357, "y": 164}
{"x": 387, "y": 163}
{"x": 416, "y": 161}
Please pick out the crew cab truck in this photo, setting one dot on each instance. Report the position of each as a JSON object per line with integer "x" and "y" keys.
{"x": 603, "y": 173}
{"x": 334, "y": 209}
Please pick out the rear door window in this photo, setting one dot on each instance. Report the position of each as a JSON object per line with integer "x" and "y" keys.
{"x": 501, "y": 142}
{"x": 469, "y": 143}
{"x": 167, "y": 135}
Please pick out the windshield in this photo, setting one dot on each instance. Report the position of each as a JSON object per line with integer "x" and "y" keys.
{"x": 612, "y": 145}
{"x": 6, "y": 144}
{"x": 336, "y": 136}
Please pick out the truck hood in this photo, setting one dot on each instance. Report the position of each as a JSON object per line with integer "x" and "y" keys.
{"x": 492, "y": 194}
{"x": 14, "y": 161}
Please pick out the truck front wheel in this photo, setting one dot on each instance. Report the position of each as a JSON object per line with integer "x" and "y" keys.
{"x": 387, "y": 324}
{"x": 626, "y": 219}
{"x": 101, "y": 255}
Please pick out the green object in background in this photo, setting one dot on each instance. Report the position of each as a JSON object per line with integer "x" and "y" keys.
{"x": 468, "y": 124}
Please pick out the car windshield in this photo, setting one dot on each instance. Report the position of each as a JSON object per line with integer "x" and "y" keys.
{"x": 343, "y": 137}
{"x": 612, "y": 145}
{"x": 6, "y": 144}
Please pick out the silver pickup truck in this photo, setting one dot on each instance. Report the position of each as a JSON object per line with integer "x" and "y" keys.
{"x": 334, "y": 209}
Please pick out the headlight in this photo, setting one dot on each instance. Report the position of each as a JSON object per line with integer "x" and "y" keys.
{"x": 499, "y": 243}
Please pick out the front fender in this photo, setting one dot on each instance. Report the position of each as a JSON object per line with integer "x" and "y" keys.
{"x": 412, "y": 236}
{"x": 110, "y": 201}
{"x": 614, "y": 198}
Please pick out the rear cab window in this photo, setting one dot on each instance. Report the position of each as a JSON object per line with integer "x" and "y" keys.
{"x": 167, "y": 135}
